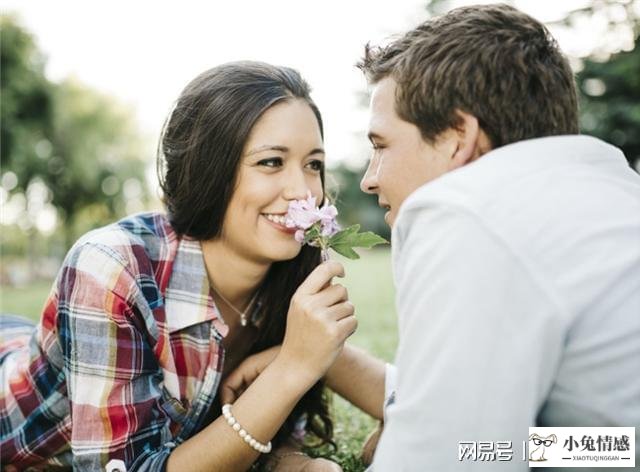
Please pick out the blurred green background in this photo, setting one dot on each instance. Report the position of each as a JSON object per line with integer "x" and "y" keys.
{"x": 71, "y": 160}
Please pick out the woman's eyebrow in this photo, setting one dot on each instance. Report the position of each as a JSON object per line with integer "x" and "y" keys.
{"x": 283, "y": 149}
{"x": 268, "y": 147}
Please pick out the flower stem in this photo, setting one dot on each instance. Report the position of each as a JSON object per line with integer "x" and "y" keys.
{"x": 324, "y": 249}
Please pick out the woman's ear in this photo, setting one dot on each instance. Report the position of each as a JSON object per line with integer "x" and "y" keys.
{"x": 472, "y": 142}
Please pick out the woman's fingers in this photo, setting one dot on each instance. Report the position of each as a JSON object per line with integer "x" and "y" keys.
{"x": 321, "y": 465}
{"x": 233, "y": 386}
{"x": 340, "y": 310}
{"x": 348, "y": 326}
{"x": 312, "y": 338}
{"x": 321, "y": 276}
{"x": 238, "y": 381}
{"x": 333, "y": 294}
{"x": 244, "y": 375}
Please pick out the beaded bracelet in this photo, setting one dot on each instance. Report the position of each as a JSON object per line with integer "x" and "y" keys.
{"x": 258, "y": 446}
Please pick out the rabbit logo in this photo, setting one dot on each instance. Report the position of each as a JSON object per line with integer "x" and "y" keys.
{"x": 540, "y": 443}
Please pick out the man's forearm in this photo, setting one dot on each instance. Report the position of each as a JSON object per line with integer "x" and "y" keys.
{"x": 359, "y": 378}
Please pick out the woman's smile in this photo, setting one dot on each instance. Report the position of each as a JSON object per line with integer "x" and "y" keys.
{"x": 283, "y": 160}
{"x": 277, "y": 221}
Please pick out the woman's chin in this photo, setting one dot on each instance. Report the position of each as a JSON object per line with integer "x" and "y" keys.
{"x": 283, "y": 251}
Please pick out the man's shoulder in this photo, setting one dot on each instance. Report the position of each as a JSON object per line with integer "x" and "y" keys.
{"x": 571, "y": 219}
{"x": 552, "y": 176}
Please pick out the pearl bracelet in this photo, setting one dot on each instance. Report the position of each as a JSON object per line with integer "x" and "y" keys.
{"x": 258, "y": 446}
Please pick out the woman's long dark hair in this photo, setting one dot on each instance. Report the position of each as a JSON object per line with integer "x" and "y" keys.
{"x": 198, "y": 160}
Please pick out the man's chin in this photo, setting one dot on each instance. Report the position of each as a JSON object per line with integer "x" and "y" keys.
{"x": 389, "y": 218}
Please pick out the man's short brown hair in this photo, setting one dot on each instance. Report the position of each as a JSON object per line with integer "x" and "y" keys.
{"x": 492, "y": 61}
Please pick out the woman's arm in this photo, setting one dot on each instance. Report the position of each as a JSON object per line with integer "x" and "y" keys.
{"x": 261, "y": 410}
{"x": 114, "y": 391}
{"x": 356, "y": 375}
{"x": 318, "y": 322}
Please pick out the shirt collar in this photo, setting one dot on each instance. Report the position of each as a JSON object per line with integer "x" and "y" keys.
{"x": 188, "y": 299}
{"x": 515, "y": 160}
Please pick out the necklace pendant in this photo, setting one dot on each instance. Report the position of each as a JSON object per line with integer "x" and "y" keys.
{"x": 243, "y": 320}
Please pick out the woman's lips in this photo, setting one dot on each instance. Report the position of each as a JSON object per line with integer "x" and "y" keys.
{"x": 279, "y": 226}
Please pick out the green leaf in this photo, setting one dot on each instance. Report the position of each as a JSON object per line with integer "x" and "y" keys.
{"x": 350, "y": 237}
{"x": 345, "y": 233}
{"x": 346, "y": 251}
{"x": 367, "y": 240}
{"x": 344, "y": 241}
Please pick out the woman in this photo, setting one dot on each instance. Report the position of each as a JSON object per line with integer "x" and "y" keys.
{"x": 149, "y": 314}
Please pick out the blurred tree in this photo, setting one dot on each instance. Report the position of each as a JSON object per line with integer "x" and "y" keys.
{"x": 95, "y": 159}
{"x": 620, "y": 17}
{"x": 355, "y": 206}
{"x": 64, "y": 144}
{"x": 26, "y": 112}
{"x": 25, "y": 117}
{"x": 609, "y": 80}
{"x": 610, "y": 101}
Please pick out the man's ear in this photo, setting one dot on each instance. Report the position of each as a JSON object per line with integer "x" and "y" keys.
{"x": 472, "y": 142}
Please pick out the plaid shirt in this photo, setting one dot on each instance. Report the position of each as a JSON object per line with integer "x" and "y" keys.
{"x": 126, "y": 360}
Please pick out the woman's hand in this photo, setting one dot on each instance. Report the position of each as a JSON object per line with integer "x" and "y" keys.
{"x": 319, "y": 321}
{"x": 244, "y": 375}
{"x": 370, "y": 445}
{"x": 287, "y": 459}
{"x": 321, "y": 465}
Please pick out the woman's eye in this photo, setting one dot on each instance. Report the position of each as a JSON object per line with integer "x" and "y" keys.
{"x": 316, "y": 165}
{"x": 272, "y": 162}
{"x": 376, "y": 147}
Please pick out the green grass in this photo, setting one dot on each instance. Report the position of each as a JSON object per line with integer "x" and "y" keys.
{"x": 370, "y": 287}
{"x": 27, "y": 301}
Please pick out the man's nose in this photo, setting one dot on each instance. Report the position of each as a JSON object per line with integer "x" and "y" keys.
{"x": 369, "y": 182}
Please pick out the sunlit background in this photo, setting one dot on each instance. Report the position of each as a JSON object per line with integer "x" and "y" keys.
{"x": 86, "y": 86}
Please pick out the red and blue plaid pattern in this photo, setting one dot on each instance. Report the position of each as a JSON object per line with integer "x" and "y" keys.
{"x": 126, "y": 359}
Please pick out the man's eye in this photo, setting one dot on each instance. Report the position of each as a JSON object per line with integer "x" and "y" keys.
{"x": 272, "y": 162}
{"x": 316, "y": 165}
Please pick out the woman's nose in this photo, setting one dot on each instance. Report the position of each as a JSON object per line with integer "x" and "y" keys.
{"x": 295, "y": 186}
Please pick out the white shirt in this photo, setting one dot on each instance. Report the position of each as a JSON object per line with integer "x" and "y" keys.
{"x": 518, "y": 298}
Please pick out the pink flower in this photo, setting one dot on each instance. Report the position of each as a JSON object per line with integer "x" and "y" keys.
{"x": 328, "y": 221}
{"x": 330, "y": 229}
{"x": 302, "y": 214}
{"x": 299, "y": 236}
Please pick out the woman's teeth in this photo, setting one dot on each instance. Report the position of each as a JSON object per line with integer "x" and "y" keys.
{"x": 279, "y": 219}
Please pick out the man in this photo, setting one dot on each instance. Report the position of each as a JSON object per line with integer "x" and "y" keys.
{"x": 516, "y": 243}
{"x": 516, "y": 247}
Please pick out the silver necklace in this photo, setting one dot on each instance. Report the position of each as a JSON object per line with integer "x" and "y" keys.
{"x": 243, "y": 314}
